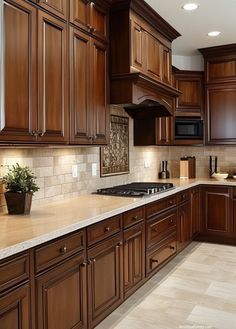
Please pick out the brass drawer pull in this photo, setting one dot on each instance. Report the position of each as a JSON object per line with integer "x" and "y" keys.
{"x": 154, "y": 261}
{"x": 119, "y": 244}
{"x": 136, "y": 218}
{"x": 107, "y": 229}
{"x": 63, "y": 250}
{"x": 172, "y": 247}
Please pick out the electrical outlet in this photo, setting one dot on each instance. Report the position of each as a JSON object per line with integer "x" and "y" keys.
{"x": 74, "y": 170}
{"x": 147, "y": 164}
{"x": 94, "y": 169}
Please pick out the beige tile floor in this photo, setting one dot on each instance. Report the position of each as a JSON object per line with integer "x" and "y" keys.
{"x": 196, "y": 290}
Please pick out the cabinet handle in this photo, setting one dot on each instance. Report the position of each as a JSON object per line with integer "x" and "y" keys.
{"x": 119, "y": 244}
{"x": 33, "y": 133}
{"x": 93, "y": 30}
{"x": 84, "y": 264}
{"x": 154, "y": 261}
{"x": 40, "y": 133}
{"x": 107, "y": 229}
{"x": 63, "y": 250}
{"x": 92, "y": 260}
{"x": 90, "y": 137}
{"x": 94, "y": 137}
{"x": 171, "y": 221}
{"x": 88, "y": 27}
{"x": 172, "y": 248}
{"x": 170, "y": 203}
{"x": 136, "y": 218}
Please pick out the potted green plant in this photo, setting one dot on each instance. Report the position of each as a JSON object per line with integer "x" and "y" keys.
{"x": 20, "y": 186}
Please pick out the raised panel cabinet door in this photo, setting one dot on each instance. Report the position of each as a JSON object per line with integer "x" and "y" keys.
{"x": 164, "y": 130}
{"x": 137, "y": 47}
{"x": 183, "y": 225}
{"x": 216, "y": 210}
{"x": 153, "y": 56}
{"x": 80, "y": 97}
{"x": 18, "y": 106}
{"x": 98, "y": 21}
{"x": 56, "y": 7}
{"x": 195, "y": 209}
{"x": 52, "y": 79}
{"x": 134, "y": 257}
{"x": 99, "y": 93}
{"x": 105, "y": 279}
{"x": 221, "y": 70}
{"x": 15, "y": 309}
{"x": 166, "y": 65}
{"x": 61, "y": 296}
{"x": 80, "y": 13}
{"x": 221, "y": 114}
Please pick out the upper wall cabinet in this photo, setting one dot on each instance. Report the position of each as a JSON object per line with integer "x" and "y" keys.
{"x": 191, "y": 101}
{"x": 90, "y": 16}
{"x": 220, "y": 79}
{"x": 56, "y": 7}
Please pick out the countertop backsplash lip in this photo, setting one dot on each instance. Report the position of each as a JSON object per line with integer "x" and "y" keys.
{"x": 96, "y": 208}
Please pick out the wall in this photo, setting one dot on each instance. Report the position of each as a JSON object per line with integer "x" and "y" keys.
{"x": 192, "y": 63}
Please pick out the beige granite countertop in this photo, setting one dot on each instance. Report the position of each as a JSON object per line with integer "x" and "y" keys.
{"x": 49, "y": 221}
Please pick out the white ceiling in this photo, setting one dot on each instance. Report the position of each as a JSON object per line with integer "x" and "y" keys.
{"x": 212, "y": 15}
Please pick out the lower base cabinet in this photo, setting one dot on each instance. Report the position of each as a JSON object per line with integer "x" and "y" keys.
{"x": 134, "y": 258}
{"x": 105, "y": 279}
{"x": 15, "y": 309}
{"x": 184, "y": 234}
{"x": 61, "y": 296}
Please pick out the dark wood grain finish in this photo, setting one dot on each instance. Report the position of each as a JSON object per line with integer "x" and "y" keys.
{"x": 18, "y": 103}
{"x": 14, "y": 271}
{"x": 183, "y": 196}
{"x": 196, "y": 211}
{"x": 158, "y": 228}
{"x": 100, "y": 231}
{"x": 105, "y": 278}
{"x": 80, "y": 96}
{"x": 137, "y": 41}
{"x": 15, "y": 309}
{"x": 134, "y": 258}
{"x": 58, "y": 251}
{"x": 52, "y": 79}
{"x": 61, "y": 296}
{"x": 155, "y": 208}
{"x": 165, "y": 131}
{"x": 80, "y": 13}
{"x": 99, "y": 20}
{"x": 56, "y": 7}
{"x": 133, "y": 217}
{"x": 184, "y": 225}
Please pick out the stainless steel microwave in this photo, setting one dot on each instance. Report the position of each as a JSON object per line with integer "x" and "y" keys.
{"x": 188, "y": 128}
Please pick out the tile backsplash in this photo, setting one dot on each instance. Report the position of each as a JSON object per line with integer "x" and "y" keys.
{"x": 53, "y": 166}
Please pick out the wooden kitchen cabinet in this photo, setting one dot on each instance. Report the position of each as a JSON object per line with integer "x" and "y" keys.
{"x": 105, "y": 278}
{"x": 196, "y": 211}
{"x": 18, "y": 72}
{"x": 15, "y": 308}
{"x": 90, "y": 16}
{"x": 89, "y": 117}
{"x": 56, "y": 7}
{"x": 134, "y": 258}
{"x": 184, "y": 234}
{"x": 61, "y": 295}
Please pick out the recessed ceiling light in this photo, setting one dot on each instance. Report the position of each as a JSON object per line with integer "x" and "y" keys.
{"x": 213, "y": 33}
{"x": 190, "y": 6}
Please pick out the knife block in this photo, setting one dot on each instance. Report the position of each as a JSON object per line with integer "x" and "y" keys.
{"x": 188, "y": 167}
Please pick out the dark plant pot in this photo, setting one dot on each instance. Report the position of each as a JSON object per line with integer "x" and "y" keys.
{"x": 18, "y": 203}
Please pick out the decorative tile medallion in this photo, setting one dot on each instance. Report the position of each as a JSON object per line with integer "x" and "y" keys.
{"x": 114, "y": 158}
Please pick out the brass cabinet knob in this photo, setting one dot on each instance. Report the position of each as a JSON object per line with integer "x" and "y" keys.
{"x": 63, "y": 250}
{"x": 119, "y": 244}
{"x": 107, "y": 229}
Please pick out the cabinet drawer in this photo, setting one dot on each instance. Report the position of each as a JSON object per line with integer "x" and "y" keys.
{"x": 61, "y": 249}
{"x": 167, "y": 249}
{"x": 161, "y": 227}
{"x": 104, "y": 229}
{"x": 184, "y": 196}
{"x": 14, "y": 271}
{"x": 156, "y": 207}
{"x": 133, "y": 216}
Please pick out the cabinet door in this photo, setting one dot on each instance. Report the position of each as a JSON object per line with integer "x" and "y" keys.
{"x": 52, "y": 79}
{"x": 137, "y": 47}
{"x": 134, "y": 257}
{"x": 80, "y": 13}
{"x": 56, "y": 7}
{"x": 61, "y": 296}
{"x": 105, "y": 280}
{"x": 166, "y": 65}
{"x": 98, "y": 21}
{"x": 184, "y": 225}
{"x": 221, "y": 114}
{"x": 216, "y": 210}
{"x": 100, "y": 114}
{"x": 79, "y": 86}
{"x": 15, "y": 309}
{"x": 18, "y": 71}
{"x": 195, "y": 209}
{"x": 164, "y": 131}
{"x": 153, "y": 56}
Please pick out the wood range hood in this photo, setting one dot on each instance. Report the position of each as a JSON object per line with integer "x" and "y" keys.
{"x": 140, "y": 60}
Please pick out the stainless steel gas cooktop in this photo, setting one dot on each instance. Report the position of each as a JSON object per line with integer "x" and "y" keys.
{"x": 136, "y": 189}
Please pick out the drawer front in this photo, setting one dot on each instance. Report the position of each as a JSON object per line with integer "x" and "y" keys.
{"x": 184, "y": 196}
{"x": 161, "y": 227}
{"x": 57, "y": 251}
{"x": 14, "y": 271}
{"x": 104, "y": 229}
{"x": 157, "y": 257}
{"x": 155, "y": 208}
{"x": 133, "y": 217}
